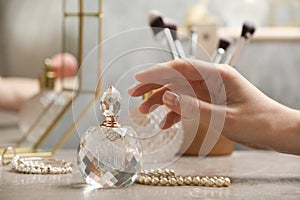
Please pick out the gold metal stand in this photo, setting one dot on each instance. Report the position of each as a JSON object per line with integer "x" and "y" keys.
{"x": 62, "y": 118}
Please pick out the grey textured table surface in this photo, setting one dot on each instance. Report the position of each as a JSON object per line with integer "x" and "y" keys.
{"x": 255, "y": 175}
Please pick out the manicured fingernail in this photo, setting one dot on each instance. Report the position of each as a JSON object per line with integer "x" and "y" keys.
{"x": 171, "y": 98}
{"x": 162, "y": 124}
{"x": 138, "y": 75}
{"x": 130, "y": 90}
{"x": 143, "y": 109}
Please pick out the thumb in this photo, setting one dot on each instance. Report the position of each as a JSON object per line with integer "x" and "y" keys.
{"x": 188, "y": 107}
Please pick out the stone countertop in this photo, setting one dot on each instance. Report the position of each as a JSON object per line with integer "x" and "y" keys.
{"x": 254, "y": 174}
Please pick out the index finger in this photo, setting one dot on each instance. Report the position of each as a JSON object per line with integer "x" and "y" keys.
{"x": 175, "y": 70}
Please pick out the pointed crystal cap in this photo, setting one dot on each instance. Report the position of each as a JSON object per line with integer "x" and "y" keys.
{"x": 110, "y": 103}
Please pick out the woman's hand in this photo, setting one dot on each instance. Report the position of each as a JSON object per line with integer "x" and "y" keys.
{"x": 190, "y": 87}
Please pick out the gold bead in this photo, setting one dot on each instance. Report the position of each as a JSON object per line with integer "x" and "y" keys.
{"x": 172, "y": 181}
{"x": 196, "y": 180}
{"x": 172, "y": 172}
{"x": 211, "y": 182}
{"x": 220, "y": 182}
{"x": 203, "y": 181}
{"x": 226, "y": 181}
{"x": 145, "y": 172}
{"x": 159, "y": 171}
{"x": 163, "y": 181}
{"x": 155, "y": 180}
{"x": 141, "y": 179}
{"x": 148, "y": 180}
{"x": 180, "y": 180}
{"x": 155, "y": 173}
{"x": 188, "y": 180}
{"x": 165, "y": 173}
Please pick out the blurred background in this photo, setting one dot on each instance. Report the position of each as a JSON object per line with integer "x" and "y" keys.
{"x": 30, "y": 30}
{"x": 29, "y": 27}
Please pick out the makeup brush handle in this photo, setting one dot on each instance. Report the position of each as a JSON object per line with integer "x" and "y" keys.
{"x": 218, "y": 55}
{"x": 232, "y": 56}
{"x": 179, "y": 49}
{"x": 194, "y": 43}
{"x": 171, "y": 43}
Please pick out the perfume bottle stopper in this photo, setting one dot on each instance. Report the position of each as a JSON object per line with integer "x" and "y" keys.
{"x": 110, "y": 105}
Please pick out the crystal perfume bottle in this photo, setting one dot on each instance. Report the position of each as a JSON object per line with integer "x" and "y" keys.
{"x": 39, "y": 112}
{"x": 109, "y": 155}
{"x": 160, "y": 147}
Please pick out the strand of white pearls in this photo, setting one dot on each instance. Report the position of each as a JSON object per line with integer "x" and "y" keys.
{"x": 40, "y": 166}
{"x": 167, "y": 177}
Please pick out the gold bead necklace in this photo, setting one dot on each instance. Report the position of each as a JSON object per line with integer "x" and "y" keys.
{"x": 167, "y": 177}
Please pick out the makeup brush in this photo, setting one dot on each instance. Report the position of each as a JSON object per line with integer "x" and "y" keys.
{"x": 194, "y": 42}
{"x": 158, "y": 27}
{"x": 223, "y": 45}
{"x": 171, "y": 24}
{"x": 247, "y": 32}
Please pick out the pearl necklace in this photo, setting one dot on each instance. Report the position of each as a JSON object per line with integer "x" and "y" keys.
{"x": 167, "y": 177}
{"x": 36, "y": 165}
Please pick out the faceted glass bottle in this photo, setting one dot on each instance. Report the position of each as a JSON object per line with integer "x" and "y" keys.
{"x": 109, "y": 155}
{"x": 38, "y": 113}
{"x": 159, "y": 146}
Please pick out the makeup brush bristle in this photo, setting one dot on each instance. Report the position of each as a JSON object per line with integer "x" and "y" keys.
{"x": 224, "y": 43}
{"x": 171, "y": 24}
{"x": 248, "y": 30}
{"x": 156, "y": 21}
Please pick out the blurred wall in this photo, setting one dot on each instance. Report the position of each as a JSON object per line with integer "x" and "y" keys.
{"x": 274, "y": 68}
{"x": 25, "y": 41}
{"x": 30, "y": 32}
